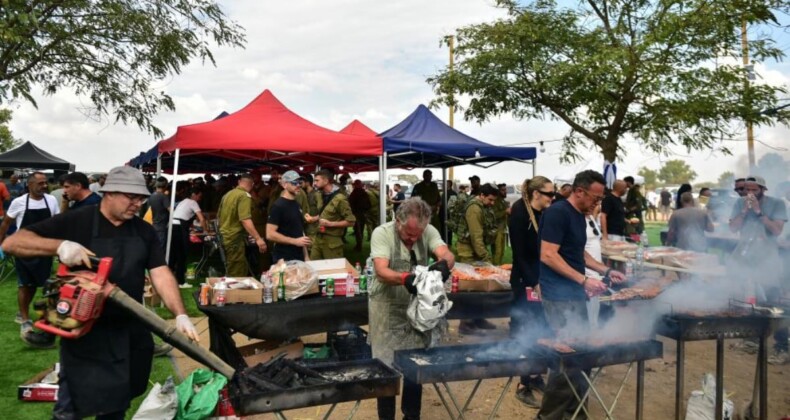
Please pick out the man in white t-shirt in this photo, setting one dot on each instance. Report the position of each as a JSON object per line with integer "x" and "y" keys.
{"x": 184, "y": 214}
{"x": 32, "y": 273}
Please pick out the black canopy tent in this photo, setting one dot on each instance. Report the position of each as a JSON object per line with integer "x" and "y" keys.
{"x": 29, "y": 156}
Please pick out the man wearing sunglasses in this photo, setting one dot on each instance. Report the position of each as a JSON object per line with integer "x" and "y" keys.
{"x": 284, "y": 226}
{"x": 102, "y": 371}
{"x": 740, "y": 187}
{"x": 563, "y": 283}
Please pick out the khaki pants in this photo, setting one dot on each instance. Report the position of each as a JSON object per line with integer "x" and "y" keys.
{"x": 326, "y": 247}
{"x": 235, "y": 259}
{"x": 500, "y": 243}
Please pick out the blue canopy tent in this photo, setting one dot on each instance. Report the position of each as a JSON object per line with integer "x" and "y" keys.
{"x": 422, "y": 140}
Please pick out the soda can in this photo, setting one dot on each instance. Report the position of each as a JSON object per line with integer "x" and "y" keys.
{"x": 330, "y": 287}
{"x": 532, "y": 296}
{"x": 322, "y": 229}
{"x": 454, "y": 288}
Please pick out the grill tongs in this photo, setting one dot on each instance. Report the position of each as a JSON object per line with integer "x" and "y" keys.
{"x": 764, "y": 310}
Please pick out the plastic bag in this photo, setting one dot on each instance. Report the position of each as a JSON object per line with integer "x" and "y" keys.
{"x": 161, "y": 402}
{"x": 702, "y": 403}
{"x": 429, "y": 306}
{"x": 300, "y": 278}
{"x": 198, "y": 394}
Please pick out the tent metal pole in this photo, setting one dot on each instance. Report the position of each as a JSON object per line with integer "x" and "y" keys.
{"x": 534, "y": 168}
{"x": 444, "y": 204}
{"x": 383, "y": 188}
{"x": 158, "y": 165}
{"x": 172, "y": 207}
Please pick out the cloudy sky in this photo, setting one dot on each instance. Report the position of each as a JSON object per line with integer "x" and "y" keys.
{"x": 331, "y": 62}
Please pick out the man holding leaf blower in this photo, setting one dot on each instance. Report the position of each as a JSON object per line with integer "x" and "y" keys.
{"x": 102, "y": 371}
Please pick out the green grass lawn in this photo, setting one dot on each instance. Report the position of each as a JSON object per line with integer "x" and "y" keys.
{"x": 22, "y": 362}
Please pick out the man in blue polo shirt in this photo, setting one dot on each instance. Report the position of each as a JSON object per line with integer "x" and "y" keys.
{"x": 564, "y": 287}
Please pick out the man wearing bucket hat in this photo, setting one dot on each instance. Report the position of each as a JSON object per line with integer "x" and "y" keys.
{"x": 102, "y": 371}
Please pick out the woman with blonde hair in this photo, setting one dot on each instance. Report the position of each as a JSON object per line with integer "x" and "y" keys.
{"x": 527, "y": 322}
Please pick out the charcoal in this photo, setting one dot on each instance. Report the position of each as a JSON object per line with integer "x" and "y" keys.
{"x": 302, "y": 370}
{"x": 262, "y": 384}
{"x": 283, "y": 376}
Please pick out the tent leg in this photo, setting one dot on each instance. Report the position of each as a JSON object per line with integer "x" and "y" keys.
{"x": 172, "y": 206}
{"x": 383, "y": 188}
{"x": 534, "y": 168}
{"x": 158, "y": 166}
{"x": 444, "y": 204}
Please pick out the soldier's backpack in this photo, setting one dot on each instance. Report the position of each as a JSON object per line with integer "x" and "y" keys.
{"x": 489, "y": 223}
{"x": 456, "y": 209}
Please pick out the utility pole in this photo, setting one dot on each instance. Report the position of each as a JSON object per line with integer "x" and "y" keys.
{"x": 451, "y": 43}
{"x": 749, "y": 75}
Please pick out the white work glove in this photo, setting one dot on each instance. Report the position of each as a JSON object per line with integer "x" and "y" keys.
{"x": 72, "y": 253}
{"x": 185, "y": 326}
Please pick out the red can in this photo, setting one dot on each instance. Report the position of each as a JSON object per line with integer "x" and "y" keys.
{"x": 532, "y": 296}
{"x": 454, "y": 288}
{"x": 322, "y": 229}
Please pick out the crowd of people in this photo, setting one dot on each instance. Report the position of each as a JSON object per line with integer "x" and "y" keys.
{"x": 555, "y": 233}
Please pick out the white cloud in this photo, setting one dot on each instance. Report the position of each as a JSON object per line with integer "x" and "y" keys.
{"x": 332, "y": 62}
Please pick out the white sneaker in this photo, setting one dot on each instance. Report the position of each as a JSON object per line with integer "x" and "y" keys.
{"x": 27, "y": 326}
{"x": 185, "y": 286}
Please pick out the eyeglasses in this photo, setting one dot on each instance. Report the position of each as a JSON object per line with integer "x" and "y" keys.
{"x": 596, "y": 198}
{"x": 549, "y": 194}
{"x": 136, "y": 198}
{"x": 594, "y": 228}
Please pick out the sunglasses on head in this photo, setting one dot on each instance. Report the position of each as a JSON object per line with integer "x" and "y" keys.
{"x": 594, "y": 228}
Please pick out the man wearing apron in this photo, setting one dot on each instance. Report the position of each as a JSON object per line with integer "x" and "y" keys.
{"x": 102, "y": 371}
{"x": 31, "y": 273}
{"x": 396, "y": 248}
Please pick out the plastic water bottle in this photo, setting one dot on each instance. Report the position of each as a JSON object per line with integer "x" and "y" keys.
{"x": 350, "y": 291}
{"x": 629, "y": 269}
{"x": 220, "y": 289}
{"x": 644, "y": 240}
{"x": 640, "y": 259}
{"x": 268, "y": 288}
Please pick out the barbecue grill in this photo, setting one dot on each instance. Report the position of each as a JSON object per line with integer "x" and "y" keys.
{"x": 346, "y": 381}
{"x": 586, "y": 357}
{"x": 470, "y": 362}
{"x": 738, "y": 321}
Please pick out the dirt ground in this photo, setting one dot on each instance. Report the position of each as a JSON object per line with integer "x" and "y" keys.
{"x": 659, "y": 383}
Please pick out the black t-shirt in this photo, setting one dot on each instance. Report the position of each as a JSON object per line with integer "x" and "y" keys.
{"x": 526, "y": 248}
{"x": 77, "y": 225}
{"x": 614, "y": 209}
{"x": 399, "y": 196}
{"x": 287, "y": 216}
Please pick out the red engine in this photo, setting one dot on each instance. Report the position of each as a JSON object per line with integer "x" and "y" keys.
{"x": 75, "y": 300}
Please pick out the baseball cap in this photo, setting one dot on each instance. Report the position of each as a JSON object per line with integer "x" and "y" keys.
{"x": 757, "y": 180}
{"x": 290, "y": 176}
{"x": 474, "y": 177}
{"x": 125, "y": 179}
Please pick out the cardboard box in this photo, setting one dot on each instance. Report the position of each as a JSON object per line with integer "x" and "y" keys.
{"x": 150, "y": 297}
{"x": 34, "y": 390}
{"x": 335, "y": 268}
{"x": 253, "y": 296}
{"x": 481, "y": 286}
{"x": 263, "y": 351}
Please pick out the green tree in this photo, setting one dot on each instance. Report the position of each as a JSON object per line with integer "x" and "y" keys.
{"x": 726, "y": 179}
{"x": 663, "y": 72}
{"x": 111, "y": 52}
{"x": 7, "y": 140}
{"x": 676, "y": 172}
{"x": 650, "y": 176}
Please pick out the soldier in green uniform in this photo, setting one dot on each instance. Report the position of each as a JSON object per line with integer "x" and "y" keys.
{"x": 501, "y": 211}
{"x": 235, "y": 224}
{"x": 396, "y": 248}
{"x": 314, "y": 204}
{"x": 372, "y": 215}
{"x": 429, "y": 192}
{"x": 475, "y": 233}
{"x": 334, "y": 218}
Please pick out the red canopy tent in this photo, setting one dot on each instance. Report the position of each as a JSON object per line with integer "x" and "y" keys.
{"x": 268, "y": 131}
{"x": 264, "y": 132}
